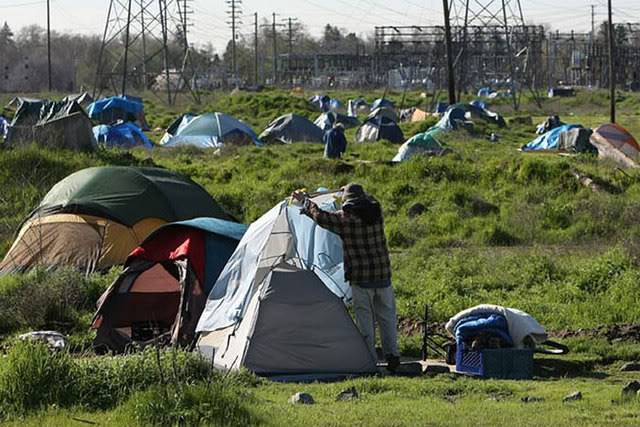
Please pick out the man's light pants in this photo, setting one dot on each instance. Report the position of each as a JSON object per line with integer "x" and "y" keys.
{"x": 373, "y": 305}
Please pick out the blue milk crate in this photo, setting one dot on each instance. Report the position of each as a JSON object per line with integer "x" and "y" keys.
{"x": 503, "y": 363}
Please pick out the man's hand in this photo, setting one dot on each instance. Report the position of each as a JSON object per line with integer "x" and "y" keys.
{"x": 299, "y": 196}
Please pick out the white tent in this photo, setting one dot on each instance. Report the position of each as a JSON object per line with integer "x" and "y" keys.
{"x": 278, "y": 308}
{"x": 210, "y": 130}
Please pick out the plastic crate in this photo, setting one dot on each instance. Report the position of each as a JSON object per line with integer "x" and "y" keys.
{"x": 504, "y": 363}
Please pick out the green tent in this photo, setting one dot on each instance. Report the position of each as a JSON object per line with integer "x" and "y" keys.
{"x": 94, "y": 218}
{"x": 425, "y": 143}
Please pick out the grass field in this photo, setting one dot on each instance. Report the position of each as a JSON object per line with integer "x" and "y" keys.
{"x": 484, "y": 224}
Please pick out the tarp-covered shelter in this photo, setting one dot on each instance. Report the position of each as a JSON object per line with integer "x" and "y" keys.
{"x": 83, "y": 99}
{"x": 292, "y": 128}
{"x": 163, "y": 289}
{"x": 382, "y": 103}
{"x": 425, "y": 144}
{"x": 126, "y": 108}
{"x": 210, "y": 130}
{"x": 52, "y": 125}
{"x": 378, "y": 128}
{"x": 459, "y": 114}
{"x": 278, "y": 307}
{"x": 326, "y": 121}
{"x": 121, "y": 135}
{"x": 567, "y": 138}
{"x": 94, "y": 218}
{"x": 320, "y": 102}
{"x": 615, "y": 143}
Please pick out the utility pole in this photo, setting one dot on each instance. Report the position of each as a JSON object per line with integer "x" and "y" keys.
{"x": 255, "y": 48}
{"x": 275, "y": 50}
{"x": 592, "y": 38}
{"x": 449, "y": 48}
{"x": 234, "y": 13}
{"x": 49, "y": 44}
{"x": 126, "y": 51}
{"x": 612, "y": 74}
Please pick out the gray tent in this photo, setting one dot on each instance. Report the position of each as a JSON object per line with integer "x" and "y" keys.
{"x": 292, "y": 128}
{"x": 278, "y": 307}
{"x": 51, "y": 125}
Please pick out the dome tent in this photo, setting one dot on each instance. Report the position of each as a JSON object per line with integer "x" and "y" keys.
{"x": 121, "y": 135}
{"x": 210, "y": 130}
{"x": 165, "y": 283}
{"x": 292, "y": 128}
{"x": 92, "y": 219}
{"x": 281, "y": 293}
{"x": 616, "y": 143}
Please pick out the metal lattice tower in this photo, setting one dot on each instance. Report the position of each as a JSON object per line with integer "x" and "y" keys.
{"x": 144, "y": 40}
{"x": 494, "y": 31}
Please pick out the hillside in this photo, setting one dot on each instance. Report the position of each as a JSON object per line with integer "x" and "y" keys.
{"x": 483, "y": 224}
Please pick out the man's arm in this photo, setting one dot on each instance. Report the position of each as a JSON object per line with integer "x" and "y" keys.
{"x": 332, "y": 221}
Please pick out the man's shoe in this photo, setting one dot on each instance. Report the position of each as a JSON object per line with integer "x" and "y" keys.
{"x": 393, "y": 363}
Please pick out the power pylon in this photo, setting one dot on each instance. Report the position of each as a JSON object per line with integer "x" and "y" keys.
{"x": 494, "y": 30}
{"x": 144, "y": 39}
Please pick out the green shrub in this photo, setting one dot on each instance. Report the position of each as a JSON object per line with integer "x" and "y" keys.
{"x": 31, "y": 378}
{"x": 218, "y": 403}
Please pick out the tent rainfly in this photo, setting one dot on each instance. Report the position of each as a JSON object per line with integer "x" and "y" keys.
{"x": 161, "y": 293}
{"x": 211, "y": 130}
{"x": 278, "y": 307}
{"x": 615, "y": 143}
{"x": 126, "y": 108}
{"x": 94, "y": 218}
{"x": 292, "y": 128}
{"x": 121, "y": 135}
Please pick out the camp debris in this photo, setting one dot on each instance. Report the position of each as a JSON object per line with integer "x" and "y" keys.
{"x": 561, "y": 91}
{"x": 424, "y": 144}
{"x": 380, "y": 125}
{"x": 550, "y": 123}
{"x": 325, "y": 121}
{"x": 570, "y": 138}
{"x": 616, "y": 143}
{"x": 210, "y": 130}
{"x": 282, "y": 292}
{"x": 292, "y": 128}
{"x": 50, "y": 124}
{"x": 126, "y": 108}
{"x": 94, "y": 218}
{"x": 161, "y": 292}
{"x": 121, "y": 135}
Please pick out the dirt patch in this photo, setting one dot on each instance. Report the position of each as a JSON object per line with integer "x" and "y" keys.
{"x": 612, "y": 333}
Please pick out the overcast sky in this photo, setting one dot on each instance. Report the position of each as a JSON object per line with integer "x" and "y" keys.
{"x": 360, "y": 16}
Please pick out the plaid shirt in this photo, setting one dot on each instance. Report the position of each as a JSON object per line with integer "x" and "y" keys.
{"x": 366, "y": 256}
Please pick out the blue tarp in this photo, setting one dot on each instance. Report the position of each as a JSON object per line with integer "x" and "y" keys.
{"x": 548, "y": 141}
{"x": 128, "y": 104}
{"x": 491, "y": 323}
{"x": 122, "y": 135}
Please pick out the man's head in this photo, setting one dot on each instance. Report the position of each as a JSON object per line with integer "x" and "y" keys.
{"x": 352, "y": 191}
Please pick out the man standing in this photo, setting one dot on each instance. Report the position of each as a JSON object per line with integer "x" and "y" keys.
{"x": 334, "y": 142}
{"x": 367, "y": 268}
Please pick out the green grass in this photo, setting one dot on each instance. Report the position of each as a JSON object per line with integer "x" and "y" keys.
{"x": 484, "y": 224}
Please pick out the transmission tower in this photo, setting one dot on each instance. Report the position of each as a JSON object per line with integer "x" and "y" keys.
{"x": 235, "y": 19}
{"x": 493, "y": 40}
{"x": 142, "y": 40}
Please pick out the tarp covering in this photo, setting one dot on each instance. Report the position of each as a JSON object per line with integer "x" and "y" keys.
{"x": 615, "y": 143}
{"x": 211, "y": 130}
{"x": 129, "y": 194}
{"x": 51, "y": 124}
{"x": 292, "y": 128}
{"x": 126, "y": 108}
{"x": 121, "y": 135}
{"x": 550, "y": 140}
{"x": 382, "y": 103}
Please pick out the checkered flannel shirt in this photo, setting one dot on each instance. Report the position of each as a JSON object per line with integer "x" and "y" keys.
{"x": 366, "y": 256}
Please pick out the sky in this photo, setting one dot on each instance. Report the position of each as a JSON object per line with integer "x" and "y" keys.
{"x": 359, "y": 16}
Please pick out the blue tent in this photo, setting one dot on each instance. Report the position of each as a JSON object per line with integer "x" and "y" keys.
{"x": 382, "y": 103}
{"x": 122, "y": 135}
{"x": 210, "y": 130}
{"x": 125, "y": 108}
{"x": 548, "y": 141}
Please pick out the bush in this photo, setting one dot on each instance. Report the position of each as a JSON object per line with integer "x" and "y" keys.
{"x": 33, "y": 378}
{"x": 218, "y": 403}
